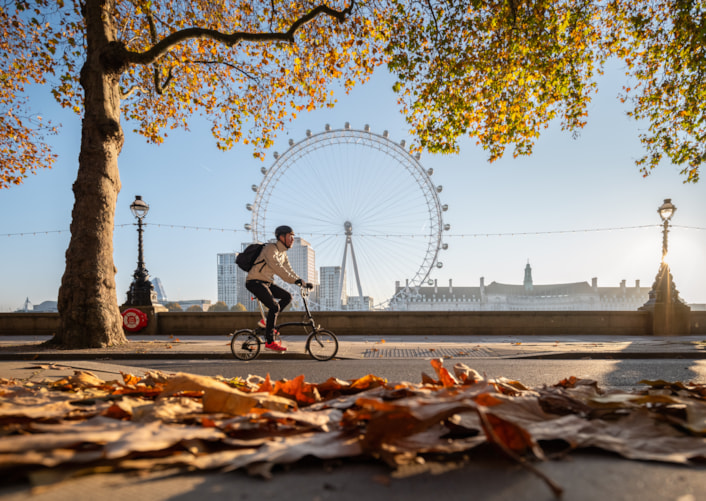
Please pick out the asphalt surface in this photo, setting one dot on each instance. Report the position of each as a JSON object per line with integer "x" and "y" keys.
{"x": 14, "y": 348}
{"x": 588, "y": 475}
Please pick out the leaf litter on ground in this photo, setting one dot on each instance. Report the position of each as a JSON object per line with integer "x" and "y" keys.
{"x": 161, "y": 421}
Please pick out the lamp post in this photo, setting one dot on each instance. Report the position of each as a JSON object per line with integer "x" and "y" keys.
{"x": 666, "y": 211}
{"x": 141, "y": 292}
{"x": 670, "y": 315}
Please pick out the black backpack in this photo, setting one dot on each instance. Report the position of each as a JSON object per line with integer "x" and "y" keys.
{"x": 246, "y": 259}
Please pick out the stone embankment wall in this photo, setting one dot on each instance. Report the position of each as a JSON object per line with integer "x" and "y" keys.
{"x": 391, "y": 323}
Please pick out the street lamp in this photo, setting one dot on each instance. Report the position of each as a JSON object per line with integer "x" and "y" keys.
{"x": 664, "y": 291}
{"x": 141, "y": 292}
{"x": 666, "y": 211}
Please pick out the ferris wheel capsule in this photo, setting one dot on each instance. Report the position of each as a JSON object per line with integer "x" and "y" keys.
{"x": 254, "y": 188}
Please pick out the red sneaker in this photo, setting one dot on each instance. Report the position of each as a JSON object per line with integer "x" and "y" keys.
{"x": 275, "y": 346}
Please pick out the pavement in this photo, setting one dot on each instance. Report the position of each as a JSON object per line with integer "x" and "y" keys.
{"x": 586, "y": 475}
{"x": 16, "y": 351}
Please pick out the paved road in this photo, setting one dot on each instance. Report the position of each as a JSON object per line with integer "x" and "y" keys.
{"x": 531, "y": 372}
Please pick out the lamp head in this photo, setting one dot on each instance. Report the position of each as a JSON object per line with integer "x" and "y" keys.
{"x": 139, "y": 207}
{"x": 667, "y": 209}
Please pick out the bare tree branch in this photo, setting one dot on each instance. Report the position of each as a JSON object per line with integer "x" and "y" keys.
{"x": 161, "y": 47}
{"x": 272, "y": 17}
{"x": 158, "y": 86}
{"x": 125, "y": 95}
{"x": 230, "y": 65}
{"x": 431, "y": 12}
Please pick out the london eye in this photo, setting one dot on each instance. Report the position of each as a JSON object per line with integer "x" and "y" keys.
{"x": 363, "y": 203}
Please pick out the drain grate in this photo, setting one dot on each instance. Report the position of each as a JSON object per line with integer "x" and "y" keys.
{"x": 475, "y": 352}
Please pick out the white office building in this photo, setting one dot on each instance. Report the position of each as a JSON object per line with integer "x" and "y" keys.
{"x": 244, "y": 296}
{"x": 303, "y": 260}
{"x": 227, "y": 279}
{"x": 331, "y": 294}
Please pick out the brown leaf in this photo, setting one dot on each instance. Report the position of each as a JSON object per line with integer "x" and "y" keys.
{"x": 81, "y": 379}
{"x": 509, "y": 435}
{"x": 467, "y": 375}
{"x": 367, "y": 382}
{"x": 219, "y": 397}
{"x": 444, "y": 376}
{"x": 298, "y": 390}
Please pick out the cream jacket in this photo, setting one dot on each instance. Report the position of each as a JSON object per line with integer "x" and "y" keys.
{"x": 273, "y": 261}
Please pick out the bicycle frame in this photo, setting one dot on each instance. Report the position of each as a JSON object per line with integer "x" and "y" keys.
{"x": 304, "y": 293}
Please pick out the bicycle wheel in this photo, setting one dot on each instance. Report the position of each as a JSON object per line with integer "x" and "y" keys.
{"x": 322, "y": 345}
{"x": 245, "y": 345}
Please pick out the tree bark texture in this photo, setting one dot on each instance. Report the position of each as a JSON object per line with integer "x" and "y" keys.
{"x": 88, "y": 305}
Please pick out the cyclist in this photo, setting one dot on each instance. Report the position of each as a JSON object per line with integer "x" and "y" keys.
{"x": 273, "y": 261}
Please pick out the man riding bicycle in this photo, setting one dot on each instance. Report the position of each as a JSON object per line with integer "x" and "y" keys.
{"x": 273, "y": 261}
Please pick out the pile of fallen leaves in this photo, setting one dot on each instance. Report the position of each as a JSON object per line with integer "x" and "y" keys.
{"x": 184, "y": 420}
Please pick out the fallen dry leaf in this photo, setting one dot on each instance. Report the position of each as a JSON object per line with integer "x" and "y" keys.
{"x": 190, "y": 421}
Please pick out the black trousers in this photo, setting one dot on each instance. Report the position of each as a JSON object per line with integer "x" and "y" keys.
{"x": 275, "y": 299}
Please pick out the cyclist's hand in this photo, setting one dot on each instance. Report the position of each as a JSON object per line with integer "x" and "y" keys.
{"x": 299, "y": 282}
{"x": 309, "y": 285}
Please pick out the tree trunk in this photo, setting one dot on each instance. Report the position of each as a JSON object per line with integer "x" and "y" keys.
{"x": 88, "y": 304}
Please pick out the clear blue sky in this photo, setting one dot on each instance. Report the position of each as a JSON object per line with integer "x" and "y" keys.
{"x": 589, "y": 183}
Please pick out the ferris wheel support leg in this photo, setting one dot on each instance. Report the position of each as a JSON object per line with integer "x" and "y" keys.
{"x": 343, "y": 270}
{"x": 355, "y": 269}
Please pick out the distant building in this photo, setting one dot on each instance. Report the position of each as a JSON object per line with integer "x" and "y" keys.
{"x": 159, "y": 289}
{"x": 43, "y": 307}
{"x": 359, "y": 303}
{"x": 302, "y": 257}
{"x": 46, "y": 307}
{"x": 331, "y": 295}
{"x": 227, "y": 273}
{"x": 523, "y": 297}
{"x": 243, "y": 295}
{"x": 204, "y": 304}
